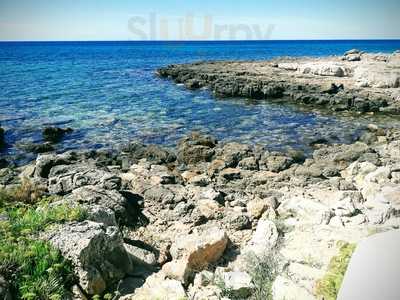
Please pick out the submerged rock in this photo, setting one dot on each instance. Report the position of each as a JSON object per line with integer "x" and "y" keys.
{"x": 55, "y": 134}
{"x": 2, "y": 138}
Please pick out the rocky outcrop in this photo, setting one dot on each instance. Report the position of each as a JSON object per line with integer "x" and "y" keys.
{"x": 125, "y": 206}
{"x": 63, "y": 179}
{"x": 97, "y": 252}
{"x": 358, "y": 81}
{"x": 183, "y": 227}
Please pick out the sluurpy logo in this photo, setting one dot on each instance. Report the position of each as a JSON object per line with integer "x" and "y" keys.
{"x": 190, "y": 27}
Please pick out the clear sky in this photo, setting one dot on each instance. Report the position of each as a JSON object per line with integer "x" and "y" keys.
{"x": 205, "y": 19}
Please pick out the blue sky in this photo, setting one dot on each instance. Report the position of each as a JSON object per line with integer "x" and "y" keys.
{"x": 206, "y": 19}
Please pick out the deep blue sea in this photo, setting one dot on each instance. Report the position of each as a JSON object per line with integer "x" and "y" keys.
{"x": 109, "y": 94}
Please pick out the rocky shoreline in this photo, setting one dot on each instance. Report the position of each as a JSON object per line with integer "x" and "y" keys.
{"x": 359, "y": 82}
{"x": 196, "y": 221}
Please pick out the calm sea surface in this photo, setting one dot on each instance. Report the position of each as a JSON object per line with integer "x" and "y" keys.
{"x": 108, "y": 92}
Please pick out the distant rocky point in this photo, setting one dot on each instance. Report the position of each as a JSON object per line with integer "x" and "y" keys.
{"x": 357, "y": 81}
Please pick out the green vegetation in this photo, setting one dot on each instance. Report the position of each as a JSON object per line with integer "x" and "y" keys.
{"x": 263, "y": 272}
{"x": 34, "y": 269}
{"x": 328, "y": 287}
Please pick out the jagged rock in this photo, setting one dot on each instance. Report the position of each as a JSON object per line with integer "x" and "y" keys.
{"x": 63, "y": 179}
{"x": 216, "y": 166}
{"x": 140, "y": 256}
{"x": 97, "y": 253}
{"x": 152, "y": 153}
{"x": 239, "y": 284}
{"x": 126, "y": 206}
{"x": 248, "y": 163}
{"x": 233, "y": 153}
{"x": 196, "y": 148}
{"x": 208, "y": 208}
{"x": 161, "y": 175}
{"x": 192, "y": 154}
{"x": 200, "y": 249}
{"x": 275, "y": 163}
{"x": 257, "y": 207}
{"x": 237, "y": 221}
{"x": 44, "y": 163}
{"x": 264, "y": 239}
{"x": 55, "y": 134}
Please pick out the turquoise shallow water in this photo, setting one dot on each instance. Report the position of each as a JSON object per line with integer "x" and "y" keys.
{"x": 109, "y": 94}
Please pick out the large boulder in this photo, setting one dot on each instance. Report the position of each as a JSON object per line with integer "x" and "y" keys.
{"x": 126, "y": 206}
{"x": 44, "y": 163}
{"x": 97, "y": 253}
{"x": 63, "y": 179}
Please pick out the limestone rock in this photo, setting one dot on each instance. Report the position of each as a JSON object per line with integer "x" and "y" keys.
{"x": 238, "y": 283}
{"x": 200, "y": 249}
{"x": 264, "y": 239}
{"x": 257, "y": 207}
{"x": 63, "y": 179}
{"x": 125, "y": 206}
{"x": 140, "y": 256}
{"x": 196, "y": 148}
{"x": 97, "y": 253}
{"x": 324, "y": 69}
{"x": 233, "y": 153}
{"x": 285, "y": 289}
{"x": 158, "y": 287}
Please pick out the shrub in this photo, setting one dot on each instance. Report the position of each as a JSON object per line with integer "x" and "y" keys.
{"x": 263, "y": 271}
{"x": 26, "y": 193}
{"x": 328, "y": 287}
{"x": 33, "y": 267}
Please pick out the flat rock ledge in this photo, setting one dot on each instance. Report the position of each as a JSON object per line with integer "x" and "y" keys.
{"x": 357, "y": 81}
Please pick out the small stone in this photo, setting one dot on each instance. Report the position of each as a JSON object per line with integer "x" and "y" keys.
{"x": 200, "y": 180}
{"x": 257, "y": 207}
{"x": 248, "y": 163}
{"x": 238, "y": 283}
{"x": 230, "y": 174}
